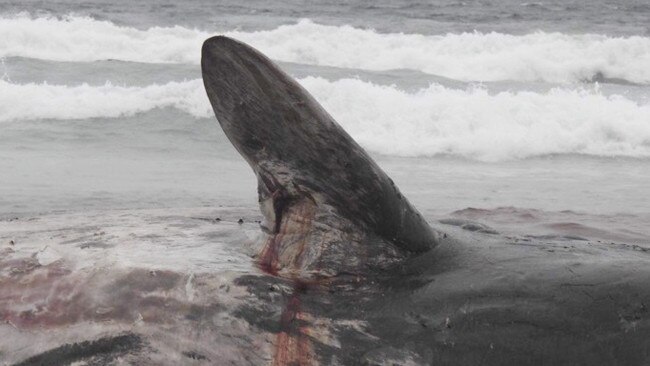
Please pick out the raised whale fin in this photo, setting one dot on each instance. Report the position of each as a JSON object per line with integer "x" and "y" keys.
{"x": 328, "y": 207}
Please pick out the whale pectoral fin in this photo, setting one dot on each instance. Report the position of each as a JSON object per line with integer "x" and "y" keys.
{"x": 322, "y": 195}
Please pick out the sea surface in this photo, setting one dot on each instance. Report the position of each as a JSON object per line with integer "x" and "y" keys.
{"x": 532, "y": 118}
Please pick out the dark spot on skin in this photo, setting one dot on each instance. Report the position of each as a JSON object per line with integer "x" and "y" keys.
{"x": 195, "y": 313}
{"x": 203, "y": 313}
{"x": 94, "y": 245}
{"x": 280, "y": 202}
{"x": 253, "y": 143}
{"x": 300, "y": 287}
{"x": 194, "y": 355}
{"x": 240, "y": 221}
{"x": 100, "y": 351}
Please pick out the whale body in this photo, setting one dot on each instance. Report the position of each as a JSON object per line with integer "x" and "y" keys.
{"x": 467, "y": 300}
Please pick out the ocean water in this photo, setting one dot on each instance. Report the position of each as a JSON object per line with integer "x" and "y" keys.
{"x": 530, "y": 117}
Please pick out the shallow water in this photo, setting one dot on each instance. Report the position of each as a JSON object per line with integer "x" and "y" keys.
{"x": 512, "y": 109}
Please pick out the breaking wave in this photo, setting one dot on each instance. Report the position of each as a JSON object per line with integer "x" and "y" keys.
{"x": 539, "y": 56}
{"x": 471, "y": 123}
{"x": 60, "y": 102}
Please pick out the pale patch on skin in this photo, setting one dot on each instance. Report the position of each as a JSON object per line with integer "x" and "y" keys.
{"x": 324, "y": 330}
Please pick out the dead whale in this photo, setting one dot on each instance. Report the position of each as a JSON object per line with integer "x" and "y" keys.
{"x": 346, "y": 272}
{"x": 330, "y": 210}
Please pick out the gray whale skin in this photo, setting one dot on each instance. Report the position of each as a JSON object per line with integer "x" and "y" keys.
{"x": 347, "y": 271}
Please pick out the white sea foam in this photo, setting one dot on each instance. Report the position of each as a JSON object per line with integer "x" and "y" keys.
{"x": 43, "y": 101}
{"x": 539, "y": 56}
{"x": 475, "y": 124}
{"x": 436, "y": 120}
{"x": 80, "y": 38}
{"x": 553, "y": 57}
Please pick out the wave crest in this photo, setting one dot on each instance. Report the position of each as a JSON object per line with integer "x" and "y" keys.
{"x": 539, "y": 56}
{"x": 436, "y": 120}
{"x": 60, "y": 102}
